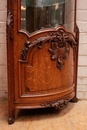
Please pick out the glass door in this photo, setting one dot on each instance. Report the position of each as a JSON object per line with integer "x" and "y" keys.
{"x": 40, "y": 14}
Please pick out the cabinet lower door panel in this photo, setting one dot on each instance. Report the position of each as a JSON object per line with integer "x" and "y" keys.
{"x": 40, "y": 80}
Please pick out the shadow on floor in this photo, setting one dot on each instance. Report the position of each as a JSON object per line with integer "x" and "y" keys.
{"x": 42, "y": 113}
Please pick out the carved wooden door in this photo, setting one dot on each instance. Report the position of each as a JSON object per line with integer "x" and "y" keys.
{"x": 41, "y": 55}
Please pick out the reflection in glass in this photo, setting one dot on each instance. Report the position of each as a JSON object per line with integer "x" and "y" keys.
{"x": 40, "y": 14}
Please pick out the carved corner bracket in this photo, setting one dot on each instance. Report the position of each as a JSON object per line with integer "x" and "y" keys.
{"x": 60, "y": 42}
{"x": 58, "y": 104}
{"x": 9, "y": 25}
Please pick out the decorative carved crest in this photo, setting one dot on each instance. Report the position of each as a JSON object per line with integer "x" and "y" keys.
{"x": 60, "y": 47}
{"x": 9, "y": 24}
{"x": 58, "y": 104}
{"x": 60, "y": 42}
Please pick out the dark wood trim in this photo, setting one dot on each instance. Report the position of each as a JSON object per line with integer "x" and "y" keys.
{"x": 10, "y": 63}
{"x": 76, "y": 64}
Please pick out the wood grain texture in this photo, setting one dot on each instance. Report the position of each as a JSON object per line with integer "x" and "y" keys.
{"x": 38, "y": 73}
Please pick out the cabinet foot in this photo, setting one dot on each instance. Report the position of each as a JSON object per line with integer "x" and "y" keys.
{"x": 74, "y": 100}
{"x": 11, "y": 120}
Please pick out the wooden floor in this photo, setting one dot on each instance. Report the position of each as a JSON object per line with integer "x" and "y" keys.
{"x": 73, "y": 117}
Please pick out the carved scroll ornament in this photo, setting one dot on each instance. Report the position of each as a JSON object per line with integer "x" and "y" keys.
{"x": 9, "y": 25}
{"x": 58, "y": 104}
{"x": 60, "y": 42}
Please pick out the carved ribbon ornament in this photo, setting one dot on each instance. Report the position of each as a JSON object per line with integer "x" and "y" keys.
{"x": 60, "y": 42}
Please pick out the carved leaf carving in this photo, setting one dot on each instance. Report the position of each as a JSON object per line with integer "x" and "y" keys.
{"x": 58, "y": 104}
{"x": 60, "y": 42}
{"x": 9, "y": 24}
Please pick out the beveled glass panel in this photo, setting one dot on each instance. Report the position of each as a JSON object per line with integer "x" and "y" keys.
{"x": 40, "y": 14}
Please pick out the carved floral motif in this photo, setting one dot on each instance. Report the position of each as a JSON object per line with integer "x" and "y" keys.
{"x": 60, "y": 47}
{"x": 58, "y": 104}
{"x": 60, "y": 42}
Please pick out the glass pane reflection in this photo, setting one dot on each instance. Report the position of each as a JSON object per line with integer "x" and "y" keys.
{"x": 40, "y": 14}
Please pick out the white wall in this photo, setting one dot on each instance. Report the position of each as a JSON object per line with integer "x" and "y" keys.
{"x": 3, "y": 61}
{"x": 82, "y": 64}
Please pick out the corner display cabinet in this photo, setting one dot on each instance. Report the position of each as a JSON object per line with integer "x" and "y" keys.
{"x": 42, "y": 54}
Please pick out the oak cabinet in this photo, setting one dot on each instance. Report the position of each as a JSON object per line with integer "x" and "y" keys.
{"x": 42, "y": 53}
